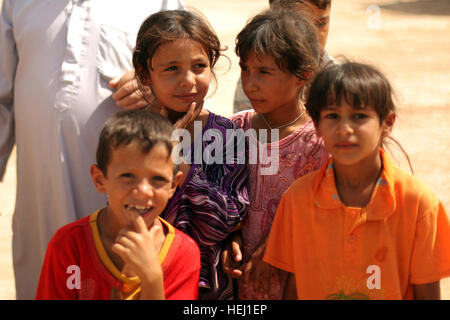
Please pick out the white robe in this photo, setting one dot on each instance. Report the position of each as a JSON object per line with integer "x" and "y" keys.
{"x": 56, "y": 58}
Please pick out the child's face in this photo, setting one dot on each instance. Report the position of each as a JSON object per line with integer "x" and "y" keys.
{"x": 266, "y": 85}
{"x": 136, "y": 184}
{"x": 320, "y": 18}
{"x": 353, "y": 135}
{"x": 180, "y": 73}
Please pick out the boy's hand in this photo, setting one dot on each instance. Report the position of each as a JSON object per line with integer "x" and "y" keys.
{"x": 127, "y": 94}
{"x": 232, "y": 256}
{"x": 137, "y": 249}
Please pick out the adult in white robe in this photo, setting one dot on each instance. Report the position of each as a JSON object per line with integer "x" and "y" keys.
{"x": 56, "y": 60}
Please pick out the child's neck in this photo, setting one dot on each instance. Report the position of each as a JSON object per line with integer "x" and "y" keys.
{"x": 355, "y": 184}
{"x": 286, "y": 119}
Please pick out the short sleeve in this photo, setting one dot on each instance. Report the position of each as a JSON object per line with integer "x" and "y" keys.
{"x": 431, "y": 252}
{"x": 279, "y": 250}
{"x": 54, "y": 277}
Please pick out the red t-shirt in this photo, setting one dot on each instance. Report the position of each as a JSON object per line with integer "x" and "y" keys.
{"x": 77, "y": 267}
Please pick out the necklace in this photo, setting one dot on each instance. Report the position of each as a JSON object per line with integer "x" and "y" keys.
{"x": 283, "y": 125}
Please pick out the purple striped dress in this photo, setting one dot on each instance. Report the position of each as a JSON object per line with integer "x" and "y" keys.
{"x": 209, "y": 205}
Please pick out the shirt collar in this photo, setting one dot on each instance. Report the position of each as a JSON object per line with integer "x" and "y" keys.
{"x": 382, "y": 203}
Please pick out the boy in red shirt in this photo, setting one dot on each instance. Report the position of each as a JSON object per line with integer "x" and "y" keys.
{"x": 126, "y": 251}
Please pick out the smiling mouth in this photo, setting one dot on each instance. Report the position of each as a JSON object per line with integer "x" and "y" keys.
{"x": 141, "y": 210}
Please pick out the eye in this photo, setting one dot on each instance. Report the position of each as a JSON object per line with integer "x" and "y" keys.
{"x": 359, "y": 116}
{"x": 171, "y": 68}
{"x": 243, "y": 67}
{"x": 159, "y": 182}
{"x": 330, "y": 115}
{"x": 200, "y": 65}
{"x": 321, "y": 23}
{"x": 127, "y": 176}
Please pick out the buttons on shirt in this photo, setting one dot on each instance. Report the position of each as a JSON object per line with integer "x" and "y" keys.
{"x": 352, "y": 238}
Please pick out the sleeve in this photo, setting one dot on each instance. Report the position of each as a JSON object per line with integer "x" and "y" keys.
{"x": 219, "y": 202}
{"x": 8, "y": 63}
{"x": 55, "y": 279}
{"x": 431, "y": 251}
{"x": 280, "y": 249}
{"x": 213, "y": 203}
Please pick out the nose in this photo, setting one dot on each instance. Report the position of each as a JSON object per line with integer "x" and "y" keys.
{"x": 188, "y": 79}
{"x": 144, "y": 189}
{"x": 344, "y": 128}
{"x": 249, "y": 83}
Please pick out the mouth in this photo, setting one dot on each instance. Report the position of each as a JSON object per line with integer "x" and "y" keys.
{"x": 140, "y": 210}
{"x": 256, "y": 101}
{"x": 345, "y": 145}
{"x": 187, "y": 97}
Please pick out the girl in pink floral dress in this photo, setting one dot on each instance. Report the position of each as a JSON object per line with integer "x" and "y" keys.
{"x": 273, "y": 75}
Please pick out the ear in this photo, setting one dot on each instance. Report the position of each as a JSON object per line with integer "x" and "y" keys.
{"x": 176, "y": 182}
{"x": 98, "y": 178}
{"x": 388, "y": 124}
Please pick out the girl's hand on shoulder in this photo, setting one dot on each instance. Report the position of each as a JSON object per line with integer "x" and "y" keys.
{"x": 127, "y": 94}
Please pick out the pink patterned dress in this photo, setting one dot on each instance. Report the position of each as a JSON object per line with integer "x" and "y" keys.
{"x": 299, "y": 153}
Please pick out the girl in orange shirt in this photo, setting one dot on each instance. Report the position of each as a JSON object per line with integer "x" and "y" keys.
{"x": 359, "y": 228}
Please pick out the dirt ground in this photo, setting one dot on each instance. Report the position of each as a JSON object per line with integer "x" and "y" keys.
{"x": 408, "y": 40}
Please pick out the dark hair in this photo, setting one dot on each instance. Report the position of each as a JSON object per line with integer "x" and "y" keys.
{"x": 360, "y": 85}
{"x": 142, "y": 126}
{"x": 285, "y": 35}
{"x": 287, "y": 4}
{"x": 167, "y": 26}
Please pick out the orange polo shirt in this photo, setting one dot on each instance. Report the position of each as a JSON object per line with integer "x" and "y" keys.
{"x": 401, "y": 238}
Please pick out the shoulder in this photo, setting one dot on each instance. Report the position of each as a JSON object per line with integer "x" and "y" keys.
{"x": 72, "y": 229}
{"x": 412, "y": 190}
{"x": 304, "y": 186}
{"x": 70, "y": 234}
{"x": 242, "y": 119}
{"x": 217, "y": 121}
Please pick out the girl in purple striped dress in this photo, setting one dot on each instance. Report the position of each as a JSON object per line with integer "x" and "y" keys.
{"x": 174, "y": 58}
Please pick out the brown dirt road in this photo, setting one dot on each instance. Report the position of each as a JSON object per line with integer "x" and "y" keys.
{"x": 411, "y": 46}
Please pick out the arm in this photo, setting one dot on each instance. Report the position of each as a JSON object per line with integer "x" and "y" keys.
{"x": 427, "y": 291}
{"x": 8, "y": 63}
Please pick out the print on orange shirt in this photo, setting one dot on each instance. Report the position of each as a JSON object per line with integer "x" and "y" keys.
{"x": 346, "y": 288}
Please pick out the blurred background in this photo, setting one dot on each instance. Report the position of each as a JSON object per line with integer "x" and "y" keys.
{"x": 408, "y": 40}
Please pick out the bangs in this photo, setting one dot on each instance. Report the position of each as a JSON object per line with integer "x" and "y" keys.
{"x": 358, "y": 85}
